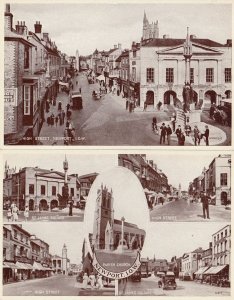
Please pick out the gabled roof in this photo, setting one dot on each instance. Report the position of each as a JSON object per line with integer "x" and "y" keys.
{"x": 13, "y": 35}
{"x": 122, "y": 55}
{"x": 169, "y": 42}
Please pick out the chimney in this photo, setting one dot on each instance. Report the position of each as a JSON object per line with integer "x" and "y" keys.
{"x": 46, "y": 37}
{"x": 192, "y": 36}
{"x": 119, "y": 46}
{"x": 115, "y": 46}
{"x": 229, "y": 43}
{"x": 37, "y": 27}
{"x": 8, "y": 18}
{"x": 166, "y": 36}
{"x": 210, "y": 244}
{"x": 151, "y": 162}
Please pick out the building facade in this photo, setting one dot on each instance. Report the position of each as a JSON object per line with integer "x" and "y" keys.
{"x": 39, "y": 189}
{"x": 163, "y": 71}
{"x": 221, "y": 246}
{"x": 191, "y": 262}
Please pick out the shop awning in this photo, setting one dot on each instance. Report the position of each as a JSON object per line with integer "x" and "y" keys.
{"x": 38, "y": 266}
{"x": 215, "y": 270}
{"x": 10, "y": 265}
{"x": 30, "y": 267}
{"x": 22, "y": 266}
{"x": 201, "y": 270}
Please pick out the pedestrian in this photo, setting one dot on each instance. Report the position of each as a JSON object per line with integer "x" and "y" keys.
{"x": 169, "y": 132}
{"x": 145, "y": 106}
{"x": 66, "y": 138}
{"x": 15, "y": 212}
{"x": 52, "y": 120}
{"x": 59, "y": 105}
{"x": 9, "y": 215}
{"x": 68, "y": 106}
{"x": 63, "y": 115}
{"x": 48, "y": 121}
{"x": 126, "y": 104}
{"x": 85, "y": 281}
{"x": 196, "y": 135}
{"x": 205, "y": 205}
{"x": 187, "y": 129}
{"x": 206, "y": 135}
{"x": 80, "y": 89}
{"x": 154, "y": 124}
{"x": 173, "y": 121}
{"x": 178, "y": 133}
{"x": 182, "y": 139}
{"x": 163, "y": 133}
{"x": 92, "y": 280}
{"x": 26, "y": 213}
{"x": 76, "y": 82}
{"x": 99, "y": 281}
{"x": 70, "y": 208}
{"x": 56, "y": 120}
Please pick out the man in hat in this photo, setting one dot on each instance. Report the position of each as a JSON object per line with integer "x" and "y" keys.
{"x": 163, "y": 133}
{"x": 178, "y": 133}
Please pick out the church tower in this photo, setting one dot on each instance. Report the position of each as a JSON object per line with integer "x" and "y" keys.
{"x": 64, "y": 259}
{"x": 150, "y": 31}
{"x": 103, "y": 219}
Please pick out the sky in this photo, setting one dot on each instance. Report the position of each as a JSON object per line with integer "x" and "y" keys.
{"x": 89, "y": 26}
{"x": 80, "y": 164}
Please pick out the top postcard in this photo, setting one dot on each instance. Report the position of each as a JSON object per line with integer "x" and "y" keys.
{"x": 117, "y": 74}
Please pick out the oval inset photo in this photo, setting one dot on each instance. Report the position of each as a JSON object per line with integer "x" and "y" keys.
{"x": 115, "y": 219}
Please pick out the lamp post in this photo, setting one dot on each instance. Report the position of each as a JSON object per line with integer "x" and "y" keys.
{"x": 122, "y": 232}
{"x": 18, "y": 192}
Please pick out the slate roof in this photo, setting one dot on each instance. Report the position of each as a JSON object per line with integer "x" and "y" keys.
{"x": 169, "y": 42}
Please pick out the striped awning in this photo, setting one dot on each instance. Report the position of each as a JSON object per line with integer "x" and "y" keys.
{"x": 201, "y": 270}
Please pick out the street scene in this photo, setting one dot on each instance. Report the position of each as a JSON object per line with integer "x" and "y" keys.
{"x": 196, "y": 265}
{"x": 39, "y": 262}
{"x": 152, "y": 85}
{"x": 183, "y": 187}
{"x": 53, "y": 187}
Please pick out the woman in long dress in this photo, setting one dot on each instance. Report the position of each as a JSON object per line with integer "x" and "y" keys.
{"x": 92, "y": 279}
{"x": 85, "y": 281}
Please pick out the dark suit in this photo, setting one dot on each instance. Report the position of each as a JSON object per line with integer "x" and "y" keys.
{"x": 205, "y": 206}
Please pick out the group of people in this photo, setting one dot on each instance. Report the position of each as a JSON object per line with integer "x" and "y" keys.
{"x": 13, "y": 213}
{"x": 220, "y": 114}
{"x": 95, "y": 281}
{"x": 166, "y": 132}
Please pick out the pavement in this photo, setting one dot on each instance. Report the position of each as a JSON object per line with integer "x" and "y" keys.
{"x": 45, "y": 216}
{"x": 182, "y": 211}
{"x": 149, "y": 287}
{"x": 57, "y": 285}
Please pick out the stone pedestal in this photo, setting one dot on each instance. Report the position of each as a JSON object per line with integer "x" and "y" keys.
{"x": 194, "y": 116}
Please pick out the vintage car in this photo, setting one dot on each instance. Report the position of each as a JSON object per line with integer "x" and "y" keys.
{"x": 76, "y": 100}
{"x": 96, "y": 95}
{"x": 169, "y": 281}
{"x": 136, "y": 276}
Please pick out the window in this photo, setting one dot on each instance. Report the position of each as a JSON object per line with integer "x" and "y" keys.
{"x": 4, "y": 253}
{"x": 228, "y": 74}
{"x": 169, "y": 75}
{"x": 31, "y": 189}
{"x": 150, "y": 75}
{"x": 225, "y": 232}
{"x": 27, "y": 100}
{"x": 53, "y": 190}
{"x": 15, "y": 234}
{"x": 134, "y": 53}
{"x": 42, "y": 189}
{"x": 4, "y": 233}
{"x": 133, "y": 74}
{"x": 209, "y": 75}
{"x": 26, "y": 57}
{"x": 191, "y": 75}
{"x": 223, "y": 179}
{"x": 72, "y": 192}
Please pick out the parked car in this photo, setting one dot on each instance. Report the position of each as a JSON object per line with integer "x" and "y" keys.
{"x": 169, "y": 281}
{"x": 136, "y": 276}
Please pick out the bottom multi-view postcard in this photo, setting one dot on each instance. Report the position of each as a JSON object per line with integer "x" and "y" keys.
{"x": 191, "y": 260}
{"x": 110, "y": 224}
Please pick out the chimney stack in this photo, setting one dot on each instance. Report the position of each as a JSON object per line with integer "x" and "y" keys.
{"x": 166, "y": 36}
{"x": 192, "y": 36}
{"x": 229, "y": 42}
{"x": 37, "y": 27}
{"x": 46, "y": 37}
{"x": 119, "y": 46}
{"x": 8, "y": 18}
{"x": 115, "y": 46}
